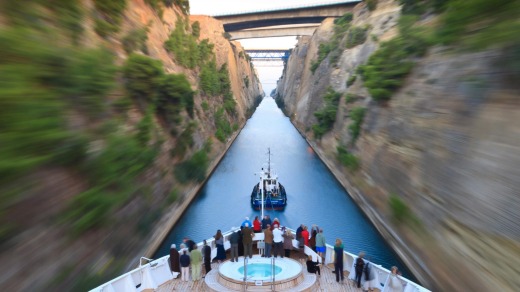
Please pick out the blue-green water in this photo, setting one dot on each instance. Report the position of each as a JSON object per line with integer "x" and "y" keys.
{"x": 260, "y": 270}
{"x": 314, "y": 196}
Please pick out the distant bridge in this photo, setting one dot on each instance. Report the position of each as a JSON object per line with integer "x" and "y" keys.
{"x": 268, "y": 54}
{"x": 285, "y": 21}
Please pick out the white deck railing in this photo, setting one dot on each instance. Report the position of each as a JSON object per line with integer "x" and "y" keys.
{"x": 157, "y": 272}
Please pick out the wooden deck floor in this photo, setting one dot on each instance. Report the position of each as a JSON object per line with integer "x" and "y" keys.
{"x": 326, "y": 282}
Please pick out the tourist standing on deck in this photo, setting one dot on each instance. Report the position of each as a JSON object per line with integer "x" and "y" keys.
{"x": 174, "y": 259}
{"x": 206, "y": 250}
{"x": 247, "y": 239}
{"x": 371, "y": 280}
{"x": 299, "y": 236}
{"x": 246, "y": 220}
{"x": 305, "y": 236}
{"x": 287, "y": 242}
{"x": 219, "y": 241}
{"x": 394, "y": 283}
{"x": 312, "y": 241}
{"x": 278, "y": 242}
{"x": 338, "y": 260}
{"x": 320, "y": 245}
{"x": 276, "y": 223}
{"x": 266, "y": 221}
{"x": 233, "y": 239}
{"x": 257, "y": 225}
{"x": 185, "y": 266}
{"x": 183, "y": 248}
{"x": 268, "y": 240}
{"x": 196, "y": 263}
{"x": 189, "y": 243}
{"x": 240, "y": 242}
{"x": 359, "y": 268}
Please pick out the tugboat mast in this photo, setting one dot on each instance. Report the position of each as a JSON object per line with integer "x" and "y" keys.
{"x": 268, "y": 161}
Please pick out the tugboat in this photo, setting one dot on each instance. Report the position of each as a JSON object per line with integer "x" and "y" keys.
{"x": 268, "y": 193}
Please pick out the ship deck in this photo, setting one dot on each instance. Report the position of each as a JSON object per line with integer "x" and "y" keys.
{"x": 325, "y": 282}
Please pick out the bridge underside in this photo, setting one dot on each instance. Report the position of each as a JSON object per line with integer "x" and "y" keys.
{"x": 230, "y": 27}
{"x": 284, "y": 22}
{"x": 269, "y": 55}
{"x": 273, "y": 32}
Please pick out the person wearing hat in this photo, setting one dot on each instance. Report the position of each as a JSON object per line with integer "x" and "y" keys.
{"x": 246, "y": 221}
{"x": 174, "y": 259}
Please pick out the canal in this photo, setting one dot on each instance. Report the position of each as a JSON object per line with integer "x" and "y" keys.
{"x": 314, "y": 195}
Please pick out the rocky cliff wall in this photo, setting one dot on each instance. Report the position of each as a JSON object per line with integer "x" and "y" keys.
{"x": 41, "y": 253}
{"x": 446, "y": 145}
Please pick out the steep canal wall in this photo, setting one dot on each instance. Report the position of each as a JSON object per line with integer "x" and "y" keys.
{"x": 116, "y": 113}
{"x": 434, "y": 163}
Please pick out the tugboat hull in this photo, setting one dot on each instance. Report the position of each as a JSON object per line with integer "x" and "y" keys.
{"x": 277, "y": 202}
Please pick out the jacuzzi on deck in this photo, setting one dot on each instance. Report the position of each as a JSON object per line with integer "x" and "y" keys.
{"x": 287, "y": 273}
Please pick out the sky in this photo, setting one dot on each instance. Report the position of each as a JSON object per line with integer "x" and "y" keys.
{"x": 212, "y": 7}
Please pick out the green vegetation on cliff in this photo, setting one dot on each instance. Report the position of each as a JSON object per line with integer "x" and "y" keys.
{"x": 371, "y": 4}
{"x": 194, "y": 168}
{"x": 184, "y": 46}
{"x": 355, "y": 36}
{"x": 147, "y": 83}
{"x": 327, "y": 115}
{"x": 184, "y": 5}
{"x": 109, "y": 16}
{"x": 213, "y": 81}
{"x": 345, "y": 36}
{"x": 356, "y": 115}
{"x": 142, "y": 77}
{"x": 479, "y": 24}
{"x": 135, "y": 40}
{"x": 474, "y": 24}
{"x": 347, "y": 159}
{"x": 385, "y": 70}
{"x": 40, "y": 83}
{"x": 111, "y": 172}
{"x": 341, "y": 26}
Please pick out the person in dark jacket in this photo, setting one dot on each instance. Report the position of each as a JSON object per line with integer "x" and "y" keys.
{"x": 312, "y": 266}
{"x": 206, "y": 252}
{"x": 338, "y": 260}
{"x": 299, "y": 235}
{"x": 247, "y": 239}
{"x": 266, "y": 221}
{"x": 240, "y": 242}
{"x": 185, "y": 266}
{"x": 174, "y": 259}
{"x": 219, "y": 242}
{"x": 233, "y": 240}
{"x": 189, "y": 243}
{"x": 312, "y": 241}
{"x": 360, "y": 266}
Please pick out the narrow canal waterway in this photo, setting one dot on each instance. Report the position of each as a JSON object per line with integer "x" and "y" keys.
{"x": 314, "y": 195}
